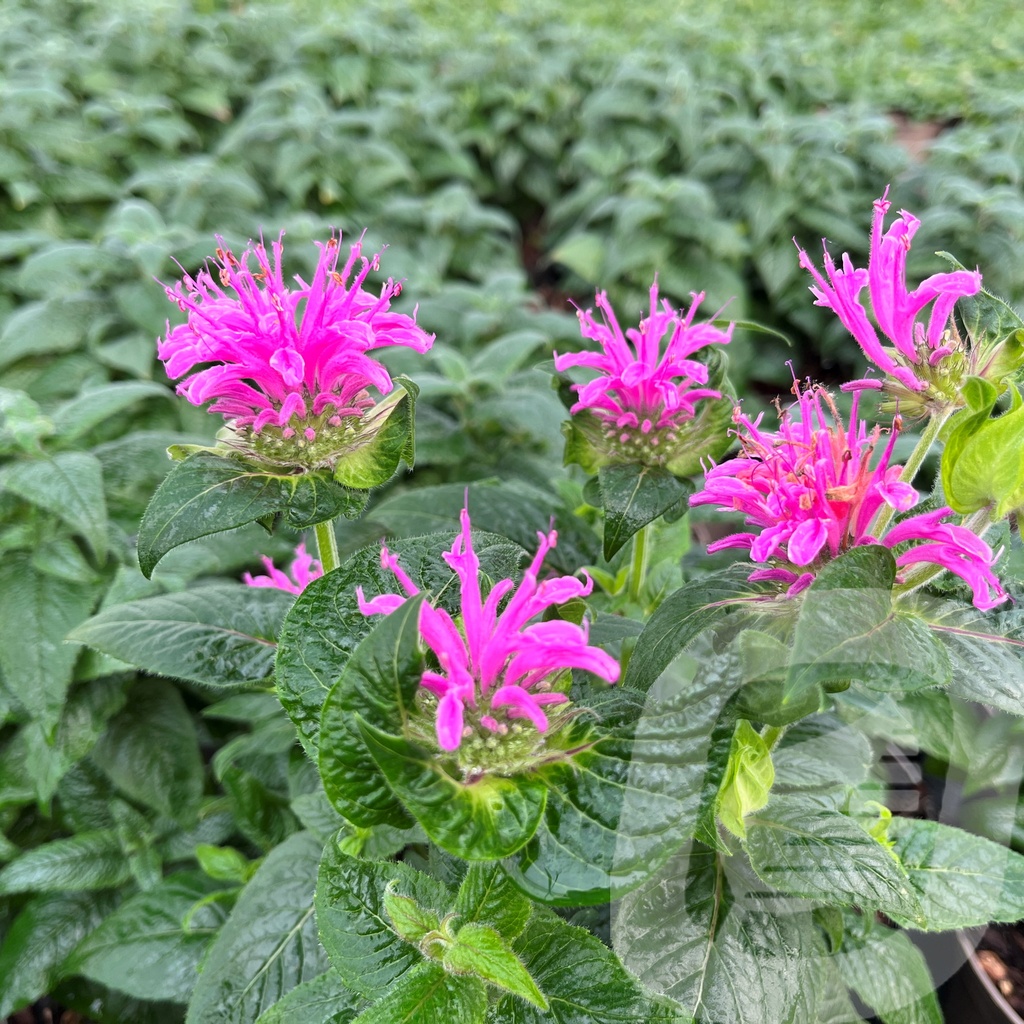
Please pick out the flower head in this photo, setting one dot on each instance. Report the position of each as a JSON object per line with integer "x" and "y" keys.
{"x": 304, "y": 569}
{"x": 813, "y": 493}
{"x": 287, "y": 366}
{"x": 646, "y": 391}
{"x": 497, "y": 671}
{"x": 922, "y": 354}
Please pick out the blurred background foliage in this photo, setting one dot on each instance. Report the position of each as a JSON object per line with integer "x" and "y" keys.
{"x": 513, "y": 157}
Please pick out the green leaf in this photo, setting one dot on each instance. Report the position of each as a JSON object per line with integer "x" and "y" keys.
{"x": 354, "y": 925}
{"x": 87, "y": 709}
{"x": 487, "y": 895}
{"x": 482, "y": 819}
{"x": 324, "y": 1000}
{"x": 764, "y": 665}
{"x": 748, "y": 778}
{"x": 960, "y": 880}
{"x": 207, "y": 494}
{"x": 632, "y": 792}
{"x": 847, "y": 628}
{"x": 681, "y": 618}
{"x": 150, "y": 751}
{"x": 384, "y": 439}
{"x": 581, "y": 978}
{"x": 36, "y": 614}
{"x": 889, "y": 973}
{"x": 221, "y": 635}
{"x": 22, "y": 423}
{"x": 39, "y": 940}
{"x": 983, "y": 462}
{"x": 268, "y": 945}
{"x": 709, "y": 937}
{"x": 429, "y": 995}
{"x": 90, "y": 860}
{"x": 225, "y": 863}
{"x": 633, "y": 496}
{"x": 411, "y": 921}
{"x": 379, "y": 683}
{"x": 479, "y": 950}
{"x": 799, "y": 847}
{"x": 41, "y": 328}
{"x": 145, "y": 949}
{"x": 90, "y": 408}
{"x": 820, "y": 753}
{"x": 70, "y": 485}
{"x": 987, "y": 661}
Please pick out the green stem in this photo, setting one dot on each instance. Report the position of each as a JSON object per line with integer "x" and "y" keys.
{"x": 917, "y": 457}
{"x": 771, "y": 734}
{"x": 327, "y": 544}
{"x": 638, "y": 566}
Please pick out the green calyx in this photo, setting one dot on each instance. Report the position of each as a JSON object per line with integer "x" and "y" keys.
{"x": 360, "y": 452}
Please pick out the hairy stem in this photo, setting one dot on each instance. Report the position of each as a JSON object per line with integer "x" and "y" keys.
{"x": 327, "y": 546}
{"x": 638, "y": 566}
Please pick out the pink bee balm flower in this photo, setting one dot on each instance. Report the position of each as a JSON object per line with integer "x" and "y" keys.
{"x": 916, "y": 358}
{"x": 303, "y": 571}
{"x": 291, "y": 359}
{"x": 811, "y": 489}
{"x": 497, "y": 666}
{"x": 645, "y": 392}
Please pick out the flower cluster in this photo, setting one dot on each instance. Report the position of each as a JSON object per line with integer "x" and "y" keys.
{"x": 645, "y": 392}
{"x": 498, "y": 667}
{"x": 921, "y": 357}
{"x": 813, "y": 493}
{"x": 303, "y": 570}
{"x": 286, "y": 366}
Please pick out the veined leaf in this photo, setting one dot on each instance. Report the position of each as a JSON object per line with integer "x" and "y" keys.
{"x": 890, "y": 974}
{"x": 379, "y": 683}
{"x": 799, "y": 847}
{"x": 144, "y": 948}
{"x": 633, "y": 790}
{"x": 960, "y": 879}
{"x": 681, "y": 618}
{"x": 206, "y": 494}
{"x": 848, "y": 628}
{"x": 324, "y": 1000}
{"x": 484, "y": 819}
{"x": 633, "y": 496}
{"x": 704, "y": 933}
{"x": 581, "y": 979}
{"x": 89, "y": 860}
{"x": 354, "y": 924}
{"x": 268, "y": 945}
{"x": 428, "y": 994}
{"x": 39, "y": 940}
{"x": 36, "y": 614}
{"x": 221, "y": 635}
{"x": 70, "y": 485}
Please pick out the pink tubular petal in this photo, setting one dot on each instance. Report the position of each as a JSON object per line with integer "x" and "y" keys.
{"x": 896, "y": 310}
{"x": 449, "y": 722}
{"x": 644, "y": 384}
{"x": 383, "y": 605}
{"x": 303, "y": 571}
{"x": 290, "y": 345}
{"x": 522, "y": 703}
